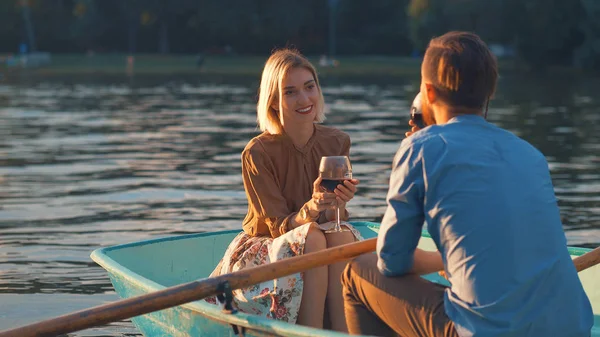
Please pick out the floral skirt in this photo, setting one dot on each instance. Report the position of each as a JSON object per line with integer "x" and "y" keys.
{"x": 279, "y": 298}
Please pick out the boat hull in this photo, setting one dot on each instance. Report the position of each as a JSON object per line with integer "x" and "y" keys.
{"x": 146, "y": 266}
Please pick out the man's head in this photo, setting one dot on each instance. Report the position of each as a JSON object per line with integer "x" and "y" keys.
{"x": 458, "y": 76}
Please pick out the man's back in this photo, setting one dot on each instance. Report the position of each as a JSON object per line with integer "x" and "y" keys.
{"x": 491, "y": 209}
{"x": 488, "y": 202}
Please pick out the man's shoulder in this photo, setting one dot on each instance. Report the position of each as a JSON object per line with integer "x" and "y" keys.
{"x": 447, "y": 132}
{"x": 515, "y": 143}
{"x": 429, "y": 135}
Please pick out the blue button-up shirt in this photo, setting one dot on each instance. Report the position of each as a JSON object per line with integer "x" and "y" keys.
{"x": 488, "y": 201}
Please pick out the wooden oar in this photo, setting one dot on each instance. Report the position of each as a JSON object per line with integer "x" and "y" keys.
{"x": 203, "y": 288}
{"x": 587, "y": 260}
{"x": 187, "y": 292}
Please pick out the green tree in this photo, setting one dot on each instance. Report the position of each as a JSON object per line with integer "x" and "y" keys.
{"x": 543, "y": 32}
{"x": 257, "y": 26}
{"x": 130, "y": 12}
{"x": 373, "y": 27}
{"x": 587, "y": 55}
{"x": 89, "y": 24}
{"x": 11, "y": 25}
{"x": 52, "y": 20}
{"x": 548, "y": 30}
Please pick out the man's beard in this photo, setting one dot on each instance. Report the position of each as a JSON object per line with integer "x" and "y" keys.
{"x": 428, "y": 117}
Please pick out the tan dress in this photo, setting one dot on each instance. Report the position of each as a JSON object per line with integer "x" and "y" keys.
{"x": 278, "y": 179}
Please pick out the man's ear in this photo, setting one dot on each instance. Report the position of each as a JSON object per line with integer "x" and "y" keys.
{"x": 432, "y": 93}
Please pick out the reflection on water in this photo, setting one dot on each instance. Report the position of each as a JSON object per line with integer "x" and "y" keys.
{"x": 85, "y": 164}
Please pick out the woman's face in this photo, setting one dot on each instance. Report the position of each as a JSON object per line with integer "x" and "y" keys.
{"x": 300, "y": 98}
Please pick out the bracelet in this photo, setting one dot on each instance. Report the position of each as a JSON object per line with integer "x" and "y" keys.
{"x": 305, "y": 214}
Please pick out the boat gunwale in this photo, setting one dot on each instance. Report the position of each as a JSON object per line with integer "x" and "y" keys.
{"x": 573, "y": 250}
{"x": 210, "y": 311}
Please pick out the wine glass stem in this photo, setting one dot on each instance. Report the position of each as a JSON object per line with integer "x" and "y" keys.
{"x": 338, "y": 223}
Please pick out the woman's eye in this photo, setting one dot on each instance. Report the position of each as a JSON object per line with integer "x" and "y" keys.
{"x": 288, "y": 92}
{"x": 311, "y": 86}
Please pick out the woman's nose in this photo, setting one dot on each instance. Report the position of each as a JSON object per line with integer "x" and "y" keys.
{"x": 303, "y": 97}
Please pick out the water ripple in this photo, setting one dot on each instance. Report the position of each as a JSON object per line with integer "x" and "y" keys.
{"x": 85, "y": 165}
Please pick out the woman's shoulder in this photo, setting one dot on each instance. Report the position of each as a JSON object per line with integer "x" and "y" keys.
{"x": 332, "y": 134}
{"x": 262, "y": 143}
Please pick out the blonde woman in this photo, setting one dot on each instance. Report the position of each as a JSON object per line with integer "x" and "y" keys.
{"x": 285, "y": 200}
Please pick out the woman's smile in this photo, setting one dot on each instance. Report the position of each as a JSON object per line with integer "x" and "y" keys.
{"x": 306, "y": 110}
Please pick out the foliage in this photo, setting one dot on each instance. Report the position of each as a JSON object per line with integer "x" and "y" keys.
{"x": 542, "y": 32}
{"x": 588, "y": 53}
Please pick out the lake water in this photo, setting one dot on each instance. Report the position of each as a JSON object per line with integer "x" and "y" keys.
{"x": 99, "y": 161}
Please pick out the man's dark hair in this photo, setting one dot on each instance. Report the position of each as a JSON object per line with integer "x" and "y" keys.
{"x": 462, "y": 68}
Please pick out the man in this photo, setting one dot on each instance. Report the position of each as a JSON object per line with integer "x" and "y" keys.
{"x": 489, "y": 205}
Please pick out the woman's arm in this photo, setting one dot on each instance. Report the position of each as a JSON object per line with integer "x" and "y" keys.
{"x": 268, "y": 211}
{"x": 315, "y": 209}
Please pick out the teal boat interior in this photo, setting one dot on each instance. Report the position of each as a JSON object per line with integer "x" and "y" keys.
{"x": 142, "y": 267}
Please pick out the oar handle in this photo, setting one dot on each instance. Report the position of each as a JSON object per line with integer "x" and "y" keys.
{"x": 587, "y": 260}
{"x": 192, "y": 291}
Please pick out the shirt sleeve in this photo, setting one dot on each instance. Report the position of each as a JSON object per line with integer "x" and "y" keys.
{"x": 402, "y": 222}
{"x": 268, "y": 212}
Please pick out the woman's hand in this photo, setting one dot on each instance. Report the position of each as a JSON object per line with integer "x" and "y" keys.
{"x": 414, "y": 128}
{"x": 345, "y": 192}
{"x": 321, "y": 199}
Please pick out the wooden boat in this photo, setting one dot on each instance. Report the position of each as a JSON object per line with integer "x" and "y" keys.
{"x": 146, "y": 266}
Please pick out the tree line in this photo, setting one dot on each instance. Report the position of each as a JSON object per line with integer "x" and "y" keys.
{"x": 539, "y": 32}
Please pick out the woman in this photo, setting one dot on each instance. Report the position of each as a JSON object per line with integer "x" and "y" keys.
{"x": 285, "y": 200}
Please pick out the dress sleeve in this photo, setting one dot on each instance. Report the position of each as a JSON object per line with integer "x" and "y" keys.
{"x": 346, "y": 146}
{"x": 268, "y": 212}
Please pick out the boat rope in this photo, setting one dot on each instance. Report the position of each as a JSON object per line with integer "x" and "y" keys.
{"x": 225, "y": 296}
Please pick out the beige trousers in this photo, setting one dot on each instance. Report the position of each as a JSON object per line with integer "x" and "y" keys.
{"x": 407, "y": 306}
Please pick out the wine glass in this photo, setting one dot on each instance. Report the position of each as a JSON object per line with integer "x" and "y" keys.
{"x": 334, "y": 170}
{"x": 416, "y": 112}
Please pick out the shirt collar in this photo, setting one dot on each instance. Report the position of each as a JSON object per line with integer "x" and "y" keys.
{"x": 467, "y": 118}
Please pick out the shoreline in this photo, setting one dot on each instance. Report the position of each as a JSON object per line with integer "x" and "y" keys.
{"x": 111, "y": 67}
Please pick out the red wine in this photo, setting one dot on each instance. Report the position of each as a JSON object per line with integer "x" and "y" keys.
{"x": 415, "y": 112}
{"x": 418, "y": 119}
{"x": 331, "y": 184}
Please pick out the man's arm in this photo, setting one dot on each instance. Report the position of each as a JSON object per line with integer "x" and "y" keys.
{"x": 401, "y": 225}
{"x": 426, "y": 262}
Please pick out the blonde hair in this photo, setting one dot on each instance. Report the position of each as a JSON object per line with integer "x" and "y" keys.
{"x": 276, "y": 67}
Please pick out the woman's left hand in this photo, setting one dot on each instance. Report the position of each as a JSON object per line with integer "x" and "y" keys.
{"x": 345, "y": 192}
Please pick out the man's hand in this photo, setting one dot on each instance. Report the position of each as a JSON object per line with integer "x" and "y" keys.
{"x": 414, "y": 128}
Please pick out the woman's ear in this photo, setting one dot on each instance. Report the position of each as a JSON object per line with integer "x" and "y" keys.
{"x": 275, "y": 106}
